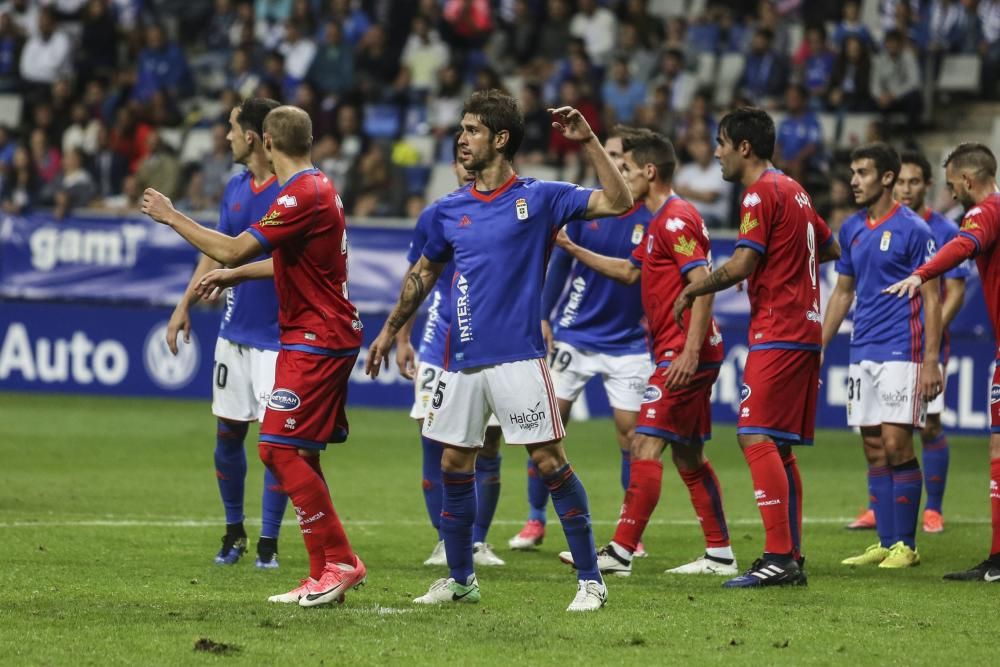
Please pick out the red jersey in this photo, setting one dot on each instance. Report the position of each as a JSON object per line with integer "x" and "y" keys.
{"x": 982, "y": 224}
{"x": 675, "y": 243}
{"x": 306, "y": 233}
{"x": 777, "y": 219}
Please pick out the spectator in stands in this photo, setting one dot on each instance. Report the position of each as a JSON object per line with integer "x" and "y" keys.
{"x": 46, "y": 55}
{"x": 895, "y": 83}
{"x": 11, "y": 44}
{"x": 8, "y": 146}
{"x": 160, "y": 170}
{"x": 641, "y": 60}
{"x": 554, "y": 36}
{"x": 107, "y": 166}
{"x": 221, "y": 32}
{"x": 195, "y": 198}
{"x": 765, "y": 73}
{"x": 851, "y": 26}
{"x": 734, "y": 35}
{"x": 98, "y": 52}
{"x": 842, "y": 205}
{"x": 445, "y": 107}
{"x": 850, "y": 82}
{"x": 327, "y": 155}
{"x": 273, "y": 11}
{"x": 815, "y": 61}
{"x": 701, "y": 36}
{"x": 82, "y": 132}
{"x": 368, "y": 183}
{"x": 20, "y": 184}
{"x": 240, "y": 76}
{"x": 696, "y": 119}
{"x": 61, "y": 105}
{"x": 351, "y": 18}
{"x": 769, "y": 19}
{"x": 954, "y": 26}
{"x": 275, "y": 77}
{"x": 989, "y": 48}
{"x": 658, "y": 114}
{"x": 73, "y": 187}
{"x": 799, "y": 140}
{"x": 622, "y": 94}
{"x": 650, "y": 29}
{"x": 299, "y": 49}
{"x": 700, "y": 182}
{"x": 469, "y": 22}
{"x": 519, "y": 41}
{"x": 597, "y": 27}
{"x": 375, "y": 64}
{"x": 349, "y": 133}
{"x": 332, "y": 70}
{"x": 45, "y": 157}
{"x": 24, "y": 14}
{"x": 162, "y": 66}
{"x": 672, "y": 74}
{"x": 537, "y": 126}
{"x": 677, "y": 37}
{"x": 424, "y": 54}
{"x": 888, "y": 12}
{"x": 915, "y": 30}
{"x": 561, "y": 150}
{"x": 43, "y": 119}
{"x": 217, "y": 166}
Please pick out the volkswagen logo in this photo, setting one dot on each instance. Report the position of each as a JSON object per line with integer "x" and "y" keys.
{"x": 165, "y": 369}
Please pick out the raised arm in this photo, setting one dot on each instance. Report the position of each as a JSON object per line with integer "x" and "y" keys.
{"x": 948, "y": 256}
{"x": 416, "y": 285}
{"x": 213, "y": 282}
{"x": 224, "y": 249}
{"x": 616, "y": 268}
{"x": 737, "y": 269}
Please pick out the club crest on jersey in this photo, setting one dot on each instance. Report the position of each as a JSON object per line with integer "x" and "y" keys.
{"x": 652, "y": 394}
{"x": 288, "y": 201}
{"x": 751, "y": 199}
{"x": 637, "y": 233}
{"x": 283, "y": 400}
{"x": 271, "y": 219}
{"x": 521, "y": 207}
{"x": 745, "y": 392}
{"x": 748, "y": 224}
{"x": 886, "y": 239}
{"x": 685, "y": 246}
{"x": 995, "y": 393}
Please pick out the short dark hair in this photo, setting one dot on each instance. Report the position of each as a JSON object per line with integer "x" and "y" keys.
{"x": 290, "y": 129}
{"x": 971, "y": 155}
{"x": 253, "y": 111}
{"x": 882, "y": 154}
{"x": 916, "y": 157}
{"x": 454, "y": 147}
{"x": 752, "y": 125}
{"x": 648, "y": 147}
{"x": 893, "y": 35}
{"x": 498, "y": 111}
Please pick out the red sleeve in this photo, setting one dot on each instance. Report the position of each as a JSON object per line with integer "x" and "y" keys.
{"x": 290, "y": 216}
{"x": 755, "y": 222}
{"x": 683, "y": 237}
{"x": 823, "y": 233}
{"x": 950, "y": 255}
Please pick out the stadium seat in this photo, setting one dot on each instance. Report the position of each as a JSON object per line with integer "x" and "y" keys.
{"x": 828, "y": 126}
{"x": 668, "y": 8}
{"x": 854, "y": 130}
{"x": 442, "y": 182}
{"x": 382, "y": 121}
{"x": 416, "y": 179}
{"x": 172, "y": 136}
{"x": 705, "y": 68}
{"x": 416, "y": 120}
{"x": 10, "y": 110}
{"x": 424, "y": 144}
{"x": 730, "y": 69}
{"x": 197, "y": 144}
{"x": 959, "y": 73}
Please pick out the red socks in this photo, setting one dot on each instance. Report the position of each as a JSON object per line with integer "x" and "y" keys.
{"x": 995, "y": 504}
{"x": 771, "y": 492}
{"x": 646, "y": 478}
{"x": 706, "y": 498}
{"x": 302, "y": 479}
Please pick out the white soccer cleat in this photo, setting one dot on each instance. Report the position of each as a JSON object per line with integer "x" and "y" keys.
{"x": 708, "y": 565}
{"x": 449, "y": 590}
{"x": 530, "y": 537}
{"x": 292, "y": 596}
{"x": 482, "y": 554}
{"x": 590, "y": 596}
{"x": 438, "y": 557}
{"x": 609, "y": 561}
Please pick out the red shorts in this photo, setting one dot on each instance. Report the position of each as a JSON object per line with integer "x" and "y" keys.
{"x": 682, "y": 415}
{"x": 307, "y": 407}
{"x": 995, "y": 401}
{"x": 779, "y": 393}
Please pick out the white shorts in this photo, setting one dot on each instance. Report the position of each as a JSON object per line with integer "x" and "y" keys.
{"x": 423, "y": 390}
{"x": 519, "y": 393}
{"x": 624, "y": 376}
{"x": 885, "y": 392}
{"x": 242, "y": 381}
{"x": 936, "y": 406}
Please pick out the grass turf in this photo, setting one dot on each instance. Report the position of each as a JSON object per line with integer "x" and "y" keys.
{"x": 109, "y": 519}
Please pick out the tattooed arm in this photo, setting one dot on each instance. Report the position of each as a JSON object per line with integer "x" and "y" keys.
{"x": 739, "y": 266}
{"x": 416, "y": 285}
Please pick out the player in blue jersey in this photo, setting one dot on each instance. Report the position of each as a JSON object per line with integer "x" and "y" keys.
{"x": 426, "y": 373}
{"x": 596, "y": 329}
{"x": 499, "y": 232}
{"x": 247, "y": 347}
{"x": 895, "y": 345}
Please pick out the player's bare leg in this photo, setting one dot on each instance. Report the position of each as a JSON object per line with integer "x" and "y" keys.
{"x": 487, "y": 495}
{"x": 989, "y": 570}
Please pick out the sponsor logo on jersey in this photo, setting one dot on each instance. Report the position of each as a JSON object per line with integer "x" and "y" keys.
{"x": 886, "y": 239}
{"x": 463, "y": 311}
{"x": 283, "y": 400}
{"x": 969, "y": 225}
{"x": 466, "y": 221}
{"x": 531, "y": 419}
{"x": 271, "y": 219}
{"x": 288, "y": 201}
{"x": 674, "y": 224}
{"x": 762, "y": 500}
{"x": 895, "y": 398}
{"x": 745, "y": 392}
{"x": 995, "y": 393}
{"x": 521, "y": 207}
{"x": 652, "y": 394}
{"x": 751, "y": 199}
{"x": 685, "y": 246}
{"x": 748, "y": 224}
{"x": 813, "y": 315}
{"x": 290, "y": 423}
{"x": 572, "y": 308}
{"x": 637, "y": 233}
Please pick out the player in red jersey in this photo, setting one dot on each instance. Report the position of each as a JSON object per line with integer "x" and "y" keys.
{"x": 320, "y": 335}
{"x": 676, "y": 407}
{"x": 971, "y": 171}
{"x": 781, "y": 242}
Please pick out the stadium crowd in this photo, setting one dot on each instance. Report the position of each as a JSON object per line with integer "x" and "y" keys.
{"x": 111, "y": 96}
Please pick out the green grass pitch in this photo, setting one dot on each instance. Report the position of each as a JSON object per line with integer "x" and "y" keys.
{"x": 109, "y": 519}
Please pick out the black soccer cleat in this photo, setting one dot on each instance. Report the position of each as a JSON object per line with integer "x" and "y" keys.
{"x": 765, "y": 572}
{"x": 987, "y": 571}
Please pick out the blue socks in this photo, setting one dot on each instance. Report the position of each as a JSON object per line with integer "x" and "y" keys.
{"x": 907, "y": 485}
{"x": 880, "y": 495}
{"x": 433, "y": 493}
{"x": 538, "y": 494}
{"x": 936, "y": 455}
{"x": 570, "y": 501}
{"x": 458, "y": 512}
{"x": 272, "y": 505}
{"x": 231, "y": 467}
{"x": 487, "y": 495}
{"x": 626, "y": 467}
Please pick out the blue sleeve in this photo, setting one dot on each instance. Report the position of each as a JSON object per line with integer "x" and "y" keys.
{"x": 922, "y": 246}
{"x": 419, "y": 239}
{"x": 555, "y": 280}
{"x": 566, "y": 201}
{"x": 224, "y": 225}
{"x": 844, "y": 265}
{"x": 437, "y": 248}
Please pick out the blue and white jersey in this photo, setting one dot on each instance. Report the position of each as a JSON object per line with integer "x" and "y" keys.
{"x": 878, "y": 253}
{"x": 596, "y": 313}
{"x": 431, "y": 346}
{"x": 500, "y": 242}
{"x": 944, "y": 230}
{"x": 251, "y": 316}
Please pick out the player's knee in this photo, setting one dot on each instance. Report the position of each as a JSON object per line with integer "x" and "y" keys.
{"x": 995, "y": 446}
{"x": 687, "y": 457}
{"x": 548, "y": 458}
{"x": 932, "y": 429}
{"x": 491, "y": 443}
{"x": 646, "y": 448}
{"x": 458, "y": 459}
